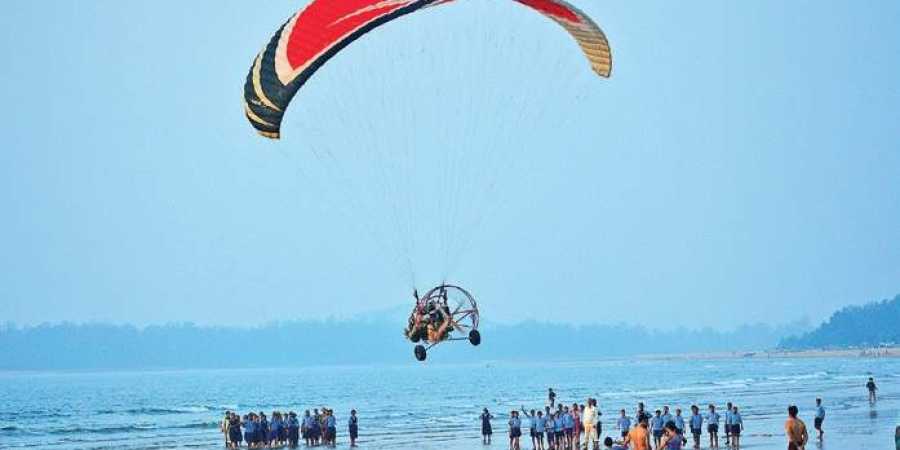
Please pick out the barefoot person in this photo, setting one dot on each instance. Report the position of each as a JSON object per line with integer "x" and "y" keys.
{"x": 795, "y": 430}
{"x": 486, "y": 430}
{"x": 353, "y": 427}
{"x": 515, "y": 430}
{"x": 589, "y": 421}
{"x": 712, "y": 426}
{"x": 696, "y": 425}
{"x": 656, "y": 428}
{"x": 870, "y": 385}
{"x": 737, "y": 426}
{"x": 820, "y": 417}
{"x": 624, "y": 423}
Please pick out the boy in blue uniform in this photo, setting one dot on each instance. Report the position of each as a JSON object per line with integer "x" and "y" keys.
{"x": 696, "y": 425}
{"x": 712, "y": 426}
{"x": 656, "y": 428}
{"x": 820, "y": 417}
{"x": 623, "y": 424}
{"x": 737, "y": 426}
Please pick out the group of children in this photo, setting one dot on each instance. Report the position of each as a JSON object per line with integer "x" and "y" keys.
{"x": 562, "y": 427}
{"x": 257, "y": 431}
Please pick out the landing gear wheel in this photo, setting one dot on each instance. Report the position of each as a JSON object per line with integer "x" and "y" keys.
{"x": 420, "y": 353}
{"x": 475, "y": 337}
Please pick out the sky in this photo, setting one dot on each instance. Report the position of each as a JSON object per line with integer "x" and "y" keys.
{"x": 741, "y": 165}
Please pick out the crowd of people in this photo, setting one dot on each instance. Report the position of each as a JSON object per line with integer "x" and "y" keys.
{"x": 285, "y": 429}
{"x": 578, "y": 426}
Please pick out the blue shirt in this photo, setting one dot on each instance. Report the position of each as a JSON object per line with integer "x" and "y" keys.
{"x": 558, "y": 424}
{"x": 624, "y": 423}
{"x": 250, "y": 426}
{"x": 330, "y": 422}
{"x": 293, "y": 423}
{"x": 713, "y": 418}
{"x": 656, "y": 423}
{"x": 568, "y": 421}
{"x": 538, "y": 424}
{"x": 696, "y": 421}
{"x": 679, "y": 422}
{"x": 736, "y": 419}
{"x": 667, "y": 418}
{"x": 728, "y": 417}
{"x": 820, "y": 413}
{"x": 515, "y": 422}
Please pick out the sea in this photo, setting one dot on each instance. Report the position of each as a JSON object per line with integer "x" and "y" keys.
{"x": 437, "y": 406}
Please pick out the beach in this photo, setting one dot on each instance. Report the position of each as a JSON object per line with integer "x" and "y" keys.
{"x": 435, "y": 406}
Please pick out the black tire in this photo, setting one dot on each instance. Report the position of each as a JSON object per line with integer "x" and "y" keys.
{"x": 420, "y": 353}
{"x": 475, "y": 337}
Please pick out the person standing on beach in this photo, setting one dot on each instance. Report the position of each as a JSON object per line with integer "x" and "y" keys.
{"x": 589, "y": 420}
{"x": 532, "y": 425}
{"x": 870, "y": 385}
{"x": 795, "y": 430}
{"x": 353, "y": 427}
{"x": 638, "y": 438}
{"x": 728, "y": 424}
{"x": 737, "y": 426}
{"x": 820, "y": 417}
{"x": 515, "y": 430}
{"x": 656, "y": 427}
{"x": 486, "y": 430}
{"x": 223, "y": 427}
{"x": 712, "y": 426}
{"x": 550, "y": 430}
{"x": 234, "y": 430}
{"x": 551, "y": 397}
{"x": 666, "y": 416}
{"x": 293, "y": 427}
{"x": 696, "y": 425}
{"x": 576, "y": 426}
{"x": 624, "y": 423}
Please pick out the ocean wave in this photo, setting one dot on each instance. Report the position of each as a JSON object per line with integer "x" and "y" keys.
{"x": 155, "y": 411}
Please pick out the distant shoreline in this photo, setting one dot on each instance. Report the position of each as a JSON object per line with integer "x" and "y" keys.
{"x": 874, "y": 353}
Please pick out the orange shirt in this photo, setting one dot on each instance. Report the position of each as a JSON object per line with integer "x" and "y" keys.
{"x": 638, "y": 438}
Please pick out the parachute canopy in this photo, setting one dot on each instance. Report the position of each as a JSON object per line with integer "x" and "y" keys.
{"x": 324, "y": 27}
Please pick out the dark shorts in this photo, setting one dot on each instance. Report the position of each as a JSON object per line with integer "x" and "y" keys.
{"x": 486, "y": 430}
{"x": 712, "y": 428}
{"x": 515, "y": 432}
{"x": 550, "y": 436}
{"x": 331, "y": 433}
{"x": 818, "y": 422}
{"x": 657, "y": 433}
{"x": 559, "y": 435}
{"x": 569, "y": 432}
{"x": 696, "y": 431}
{"x": 234, "y": 435}
{"x": 736, "y": 430}
{"x": 354, "y": 431}
{"x": 538, "y": 435}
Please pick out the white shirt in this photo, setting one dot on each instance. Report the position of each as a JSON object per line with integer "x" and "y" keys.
{"x": 589, "y": 416}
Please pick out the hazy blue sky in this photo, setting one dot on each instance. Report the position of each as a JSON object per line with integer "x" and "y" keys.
{"x": 741, "y": 165}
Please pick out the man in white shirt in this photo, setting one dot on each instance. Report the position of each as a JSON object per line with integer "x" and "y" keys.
{"x": 589, "y": 421}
